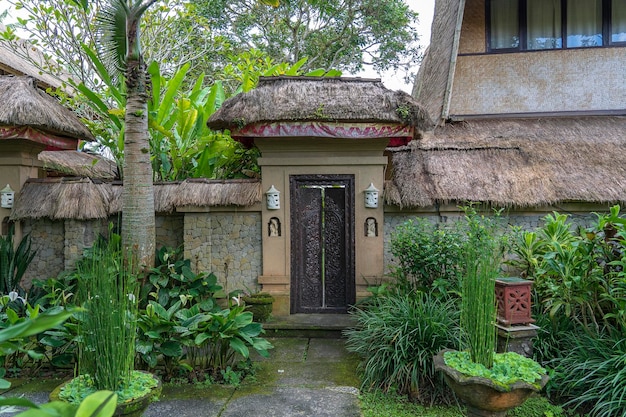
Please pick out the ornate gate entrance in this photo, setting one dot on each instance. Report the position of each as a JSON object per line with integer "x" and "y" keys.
{"x": 322, "y": 243}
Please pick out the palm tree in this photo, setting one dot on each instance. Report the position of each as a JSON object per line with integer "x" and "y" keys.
{"x": 120, "y": 46}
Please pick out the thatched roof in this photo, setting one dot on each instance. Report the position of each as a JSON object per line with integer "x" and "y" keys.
{"x": 23, "y": 104}
{"x": 515, "y": 162}
{"x": 12, "y": 62}
{"x": 83, "y": 198}
{"x": 80, "y": 164}
{"x": 328, "y": 99}
{"x": 437, "y": 68}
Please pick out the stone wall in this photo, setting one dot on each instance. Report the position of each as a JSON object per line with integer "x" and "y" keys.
{"x": 236, "y": 250}
{"x": 47, "y": 239}
{"x": 169, "y": 231}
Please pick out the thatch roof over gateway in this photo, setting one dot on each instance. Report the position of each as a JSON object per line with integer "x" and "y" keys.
{"x": 85, "y": 199}
{"x": 80, "y": 164}
{"x": 23, "y": 104}
{"x": 514, "y": 162}
{"x": 327, "y": 99}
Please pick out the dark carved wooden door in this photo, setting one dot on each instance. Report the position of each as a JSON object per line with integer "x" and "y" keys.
{"x": 322, "y": 243}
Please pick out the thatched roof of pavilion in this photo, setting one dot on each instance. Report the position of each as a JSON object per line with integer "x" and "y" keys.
{"x": 329, "y": 99}
{"x": 514, "y": 162}
{"x": 84, "y": 198}
{"x": 23, "y": 104}
{"x": 80, "y": 164}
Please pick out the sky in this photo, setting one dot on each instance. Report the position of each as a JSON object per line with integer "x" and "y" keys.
{"x": 393, "y": 81}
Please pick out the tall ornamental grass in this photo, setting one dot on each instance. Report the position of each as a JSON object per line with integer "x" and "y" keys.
{"x": 481, "y": 260}
{"x": 107, "y": 330}
{"x": 397, "y": 334}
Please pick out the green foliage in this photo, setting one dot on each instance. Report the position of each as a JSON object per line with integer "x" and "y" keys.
{"x": 172, "y": 281}
{"x": 98, "y": 404}
{"x": 579, "y": 289}
{"x": 14, "y": 261}
{"x": 107, "y": 290}
{"x": 507, "y": 368}
{"x": 592, "y": 375}
{"x": 16, "y": 332}
{"x": 181, "y": 144}
{"x": 184, "y": 327}
{"x": 137, "y": 384}
{"x": 330, "y": 34}
{"x": 578, "y": 273}
{"x": 220, "y": 337}
{"x": 482, "y": 257}
{"x": 537, "y": 406}
{"x": 429, "y": 256}
{"x": 397, "y": 336}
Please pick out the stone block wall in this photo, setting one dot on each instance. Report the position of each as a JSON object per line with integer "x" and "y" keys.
{"x": 227, "y": 244}
{"x": 81, "y": 234}
{"x": 47, "y": 239}
{"x": 169, "y": 231}
{"x": 236, "y": 252}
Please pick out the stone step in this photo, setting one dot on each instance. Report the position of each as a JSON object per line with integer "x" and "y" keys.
{"x": 308, "y": 325}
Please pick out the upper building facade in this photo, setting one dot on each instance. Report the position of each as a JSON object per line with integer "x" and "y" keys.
{"x": 525, "y": 58}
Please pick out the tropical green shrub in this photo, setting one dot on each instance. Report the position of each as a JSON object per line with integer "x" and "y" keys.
{"x": 221, "y": 338}
{"x": 172, "y": 280}
{"x": 428, "y": 255}
{"x": 17, "y": 333}
{"x": 397, "y": 336}
{"x": 160, "y": 340}
{"x": 14, "y": 261}
{"x": 577, "y": 273}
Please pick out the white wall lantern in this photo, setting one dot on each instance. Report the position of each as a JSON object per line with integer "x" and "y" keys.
{"x": 6, "y": 197}
{"x": 371, "y": 196}
{"x": 273, "y": 198}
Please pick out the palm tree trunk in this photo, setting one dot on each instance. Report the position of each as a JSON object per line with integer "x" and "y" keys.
{"x": 138, "y": 219}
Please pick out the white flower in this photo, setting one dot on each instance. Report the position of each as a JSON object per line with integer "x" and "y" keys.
{"x": 13, "y": 295}
{"x": 237, "y": 300}
{"x": 131, "y": 297}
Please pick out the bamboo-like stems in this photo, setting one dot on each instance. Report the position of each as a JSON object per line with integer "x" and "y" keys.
{"x": 107, "y": 289}
{"x": 482, "y": 259}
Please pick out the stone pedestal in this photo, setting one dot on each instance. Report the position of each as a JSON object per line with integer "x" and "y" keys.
{"x": 518, "y": 339}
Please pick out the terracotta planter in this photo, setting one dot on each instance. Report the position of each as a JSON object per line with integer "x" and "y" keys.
{"x": 260, "y": 305}
{"x": 133, "y": 408}
{"x": 482, "y": 396}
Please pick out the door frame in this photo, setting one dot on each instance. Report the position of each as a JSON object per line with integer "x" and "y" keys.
{"x": 296, "y": 181}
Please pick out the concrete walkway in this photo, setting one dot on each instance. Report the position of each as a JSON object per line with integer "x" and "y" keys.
{"x": 302, "y": 377}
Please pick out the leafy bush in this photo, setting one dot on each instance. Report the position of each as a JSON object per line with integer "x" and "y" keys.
{"x": 428, "y": 255}
{"x": 14, "y": 261}
{"x": 172, "y": 280}
{"x": 579, "y": 301}
{"x": 397, "y": 336}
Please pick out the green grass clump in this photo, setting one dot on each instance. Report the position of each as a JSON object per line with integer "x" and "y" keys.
{"x": 379, "y": 404}
{"x": 537, "y": 406}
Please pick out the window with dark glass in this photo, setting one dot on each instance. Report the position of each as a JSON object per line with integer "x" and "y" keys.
{"x": 528, "y": 25}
